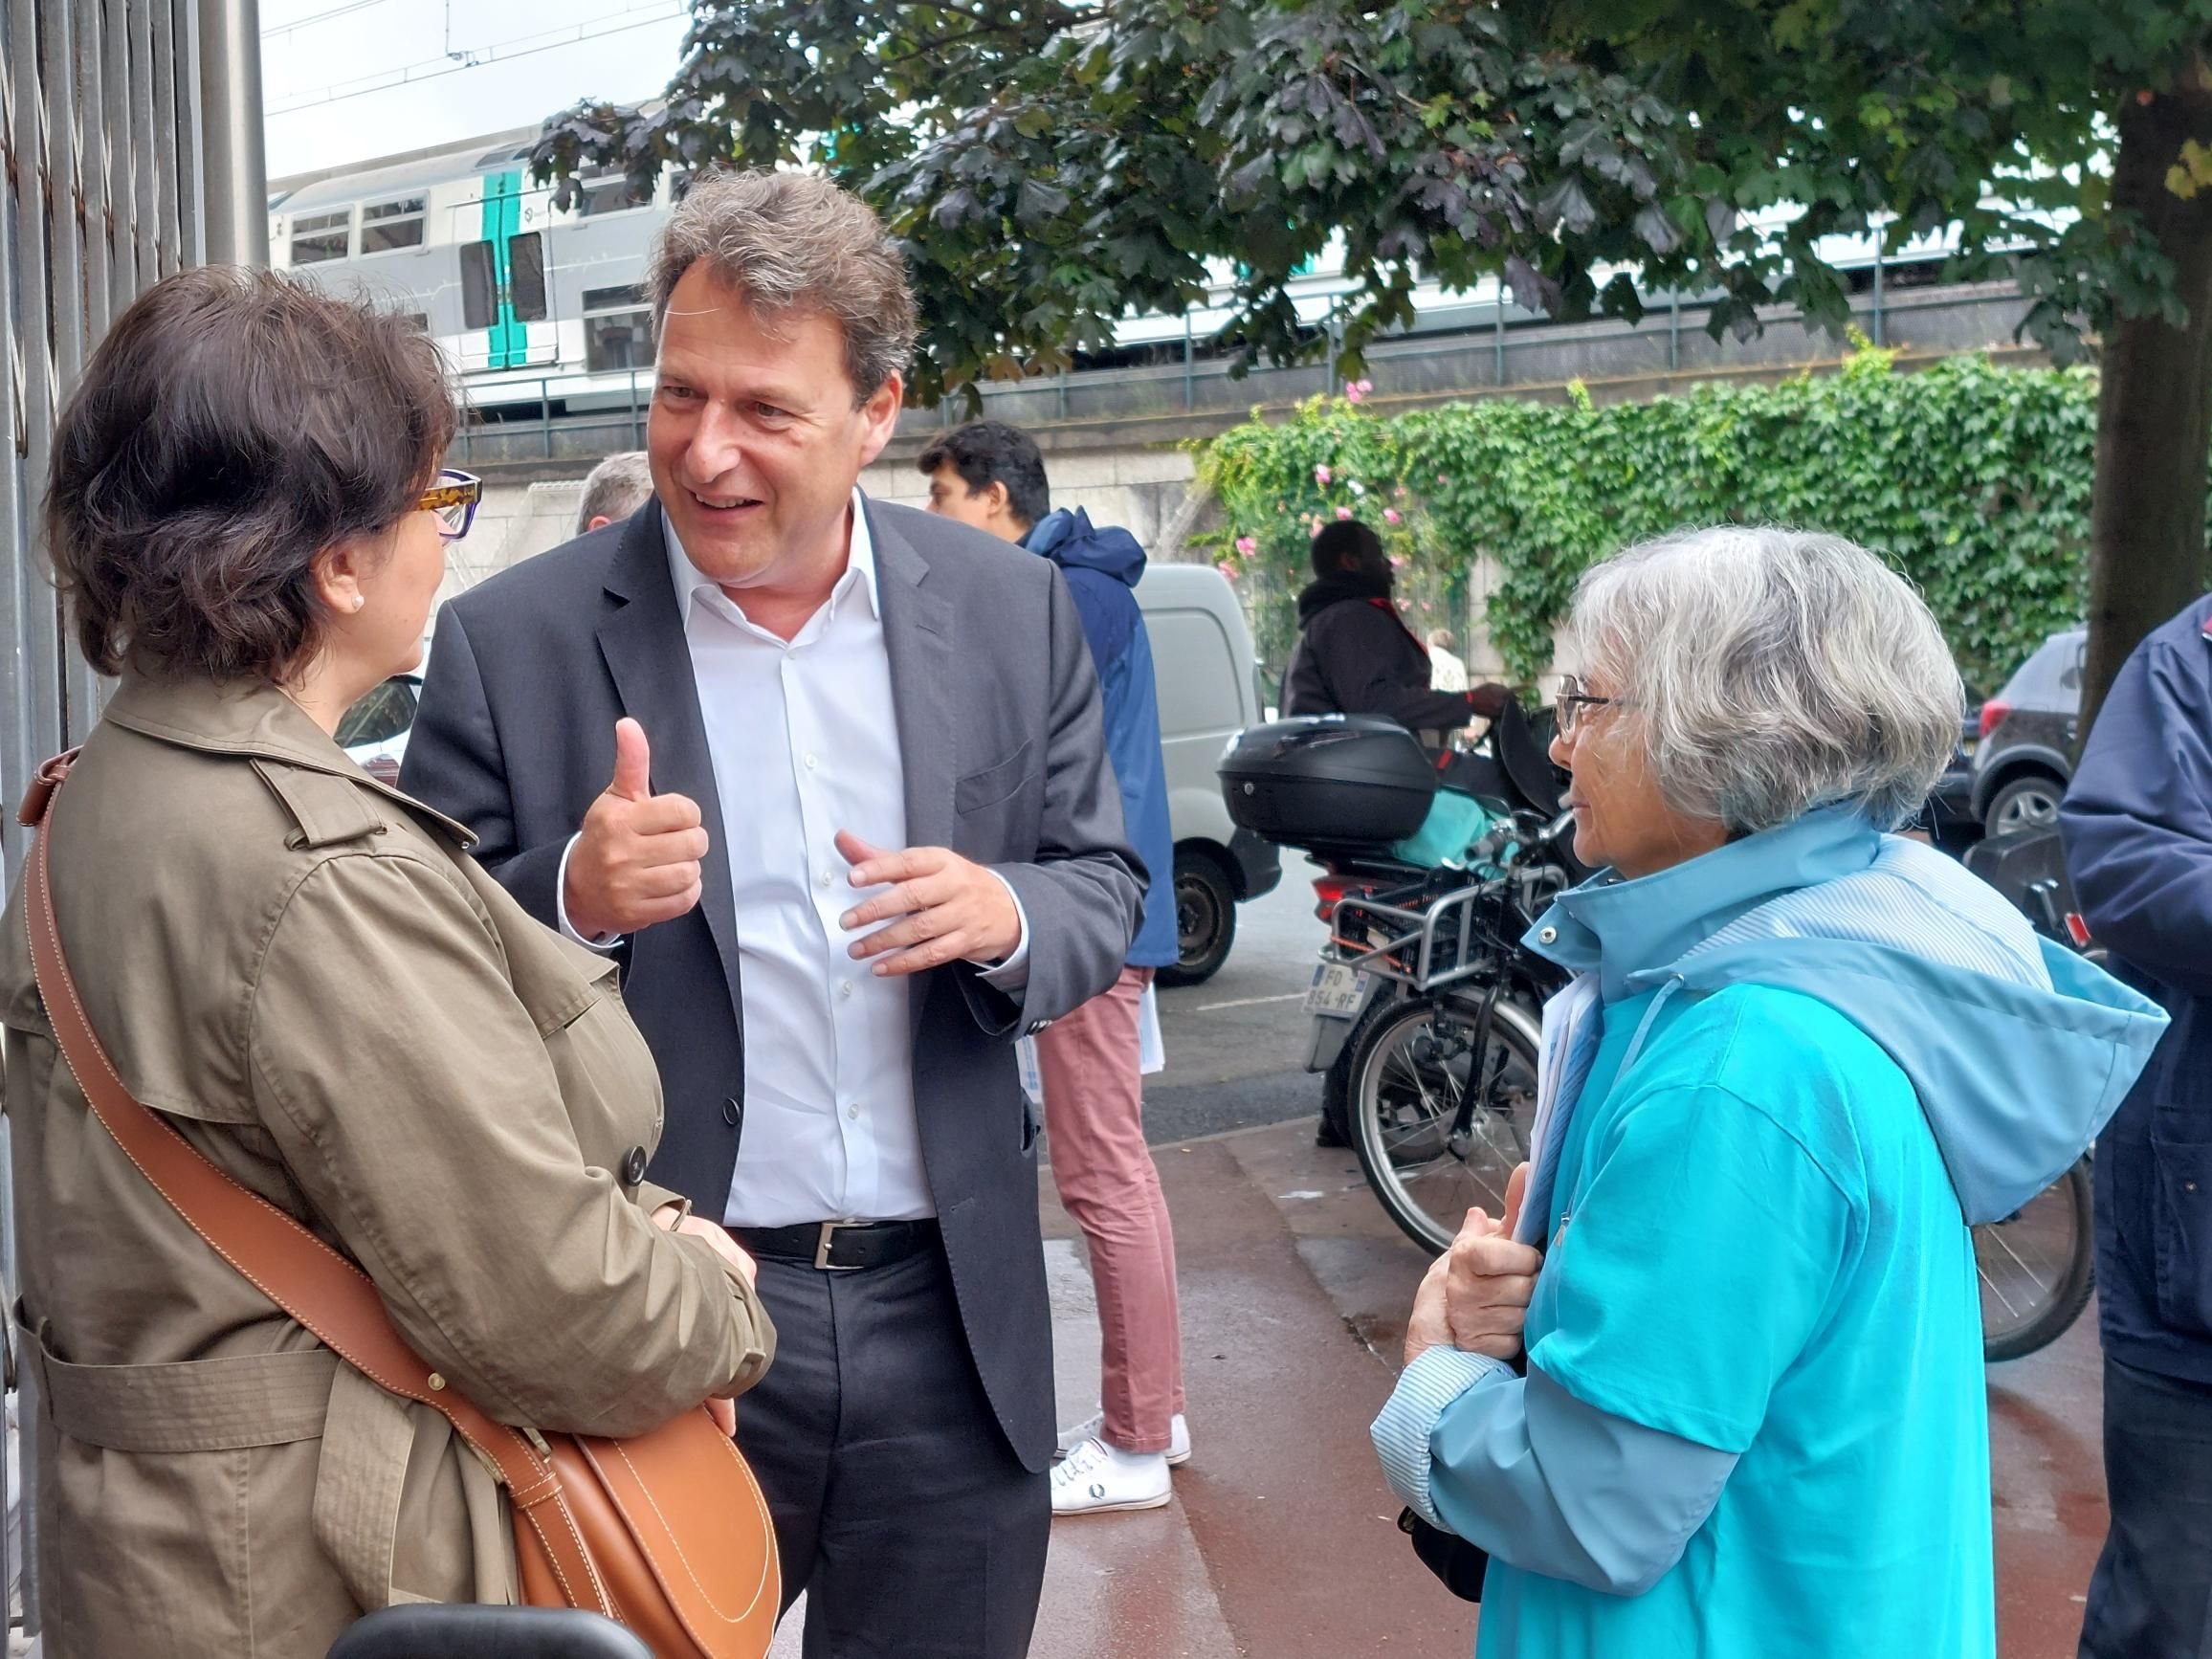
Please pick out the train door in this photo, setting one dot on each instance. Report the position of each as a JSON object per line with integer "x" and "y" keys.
{"x": 503, "y": 288}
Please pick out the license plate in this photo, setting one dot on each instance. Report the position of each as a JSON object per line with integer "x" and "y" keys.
{"x": 1337, "y": 991}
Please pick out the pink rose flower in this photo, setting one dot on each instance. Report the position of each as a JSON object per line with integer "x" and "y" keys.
{"x": 1390, "y": 516}
{"x": 1322, "y": 474}
{"x": 1246, "y": 546}
{"x": 1365, "y": 386}
{"x": 1343, "y": 511}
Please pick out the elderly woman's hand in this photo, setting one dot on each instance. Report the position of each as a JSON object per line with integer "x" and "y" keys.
{"x": 1475, "y": 1295}
{"x": 1489, "y": 1279}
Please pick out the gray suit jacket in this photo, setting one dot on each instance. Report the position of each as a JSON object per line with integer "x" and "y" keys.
{"x": 998, "y": 714}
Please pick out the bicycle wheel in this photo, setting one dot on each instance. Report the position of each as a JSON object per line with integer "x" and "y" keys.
{"x": 1411, "y": 1063}
{"x": 2036, "y": 1268}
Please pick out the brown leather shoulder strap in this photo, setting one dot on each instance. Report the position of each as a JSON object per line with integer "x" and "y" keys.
{"x": 288, "y": 1264}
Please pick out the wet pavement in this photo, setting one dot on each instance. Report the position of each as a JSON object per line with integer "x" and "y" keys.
{"x": 1282, "y": 1543}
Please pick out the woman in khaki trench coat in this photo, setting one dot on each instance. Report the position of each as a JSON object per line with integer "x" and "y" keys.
{"x": 304, "y": 971}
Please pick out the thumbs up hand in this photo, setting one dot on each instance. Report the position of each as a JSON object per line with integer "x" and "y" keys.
{"x": 637, "y": 860}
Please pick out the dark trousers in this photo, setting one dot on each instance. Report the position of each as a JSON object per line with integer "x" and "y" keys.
{"x": 2152, "y": 1595}
{"x": 899, "y": 1509}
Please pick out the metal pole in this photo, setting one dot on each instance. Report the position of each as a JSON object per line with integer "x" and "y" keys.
{"x": 545, "y": 419}
{"x": 237, "y": 177}
{"x": 1497, "y": 341}
{"x": 1674, "y": 330}
{"x": 636, "y": 432}
{"x": 1188, "y": 345}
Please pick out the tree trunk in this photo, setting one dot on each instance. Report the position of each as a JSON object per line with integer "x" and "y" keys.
{"x": 2147, "y": 557}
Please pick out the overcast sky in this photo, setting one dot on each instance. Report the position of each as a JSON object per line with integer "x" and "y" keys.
{"x": 331, "y": 70}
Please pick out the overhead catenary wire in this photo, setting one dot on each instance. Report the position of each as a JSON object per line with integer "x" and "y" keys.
{"x": 501, "y": 51}
{"x": 346, "y": 10}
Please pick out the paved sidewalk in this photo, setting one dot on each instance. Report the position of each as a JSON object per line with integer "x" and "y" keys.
{"x": 1282, "y": 1542}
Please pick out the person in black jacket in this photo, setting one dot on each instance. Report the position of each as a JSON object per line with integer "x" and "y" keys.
{"x": 1355, "y": 655}
{"x": 2138, "y": 821}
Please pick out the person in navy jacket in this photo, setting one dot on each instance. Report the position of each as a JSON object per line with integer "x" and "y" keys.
{"x": 2137, "y": 823}
{"x": 991, "y": 476}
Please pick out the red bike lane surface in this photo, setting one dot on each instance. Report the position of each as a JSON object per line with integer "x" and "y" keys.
{"x": 1282, "y": 1539}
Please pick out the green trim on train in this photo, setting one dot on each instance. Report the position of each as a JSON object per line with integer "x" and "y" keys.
{"x": 507, "y": 341}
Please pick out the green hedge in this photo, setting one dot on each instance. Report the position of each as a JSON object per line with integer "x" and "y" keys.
{"x": 1973, "y": 480}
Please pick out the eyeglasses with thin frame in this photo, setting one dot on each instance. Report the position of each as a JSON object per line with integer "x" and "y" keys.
{"x": 1573, "y": 700}
{"x": 455, "y": 499}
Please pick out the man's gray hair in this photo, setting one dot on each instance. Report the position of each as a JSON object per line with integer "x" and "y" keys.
{"x": 794, "y": 242}
{"x": 614, "y": 488}
{"x": 1770, "y": 671}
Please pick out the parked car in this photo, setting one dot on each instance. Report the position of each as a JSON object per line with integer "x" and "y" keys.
{"x": 374, "y": 730}
{"x": 1208, "y": 687}
{"x": 2024, "y": 758}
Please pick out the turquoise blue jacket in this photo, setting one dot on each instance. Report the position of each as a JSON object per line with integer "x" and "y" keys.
{"x": 1789, "y": 1075}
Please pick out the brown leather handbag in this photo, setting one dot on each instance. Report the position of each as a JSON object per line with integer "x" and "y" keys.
{"x": 666, "y": 1532}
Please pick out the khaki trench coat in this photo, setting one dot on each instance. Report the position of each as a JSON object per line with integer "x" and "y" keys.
{"x": 302, "y": 970}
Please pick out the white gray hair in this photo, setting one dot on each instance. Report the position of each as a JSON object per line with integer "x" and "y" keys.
{"x": 614, "y": 488}
{"x": 1771, "y": 671}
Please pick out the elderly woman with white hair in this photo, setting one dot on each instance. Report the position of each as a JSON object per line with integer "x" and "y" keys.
{"x": 1716, "y": 1390}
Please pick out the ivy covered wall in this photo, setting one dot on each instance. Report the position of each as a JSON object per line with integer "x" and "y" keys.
{"x": 1973, "y": 480}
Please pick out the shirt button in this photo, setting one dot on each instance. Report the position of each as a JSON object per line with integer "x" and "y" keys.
{"x": 634, "y": 1166}
{"x": 732, "y": 1112}
{"x": 845, "y": 989}
{"x": 853, "y": 1111}
{"x": 825, "y": 878}
{"x": 810, "y": 763}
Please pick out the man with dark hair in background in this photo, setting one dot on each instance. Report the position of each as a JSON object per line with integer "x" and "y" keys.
{"x": 613, "y": 490}
{"x": 1355, "y": 654}
{"x": 990, "y": 475}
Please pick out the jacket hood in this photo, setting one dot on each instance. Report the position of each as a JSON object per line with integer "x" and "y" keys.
{"x": 1346, "y": 584}
{"x": 2018, "y": 1049}
{"x": 1071, "y": 541}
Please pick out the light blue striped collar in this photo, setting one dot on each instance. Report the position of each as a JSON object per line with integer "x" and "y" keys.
{"x": 1618, "y": 929}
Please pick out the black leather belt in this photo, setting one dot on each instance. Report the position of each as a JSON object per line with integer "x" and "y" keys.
{"x": 840, "y": 1246}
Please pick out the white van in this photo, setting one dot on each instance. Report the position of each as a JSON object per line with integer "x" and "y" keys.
{"x": 1208, "y": 686}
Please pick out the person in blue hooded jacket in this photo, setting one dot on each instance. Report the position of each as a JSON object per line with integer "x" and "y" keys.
{"x": 1718, "y": 1392}
{"x": 991, "y": 476}
{"x": 2138, "y": 821}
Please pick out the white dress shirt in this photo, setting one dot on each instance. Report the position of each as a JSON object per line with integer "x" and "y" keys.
{"x": 804, "y": 744}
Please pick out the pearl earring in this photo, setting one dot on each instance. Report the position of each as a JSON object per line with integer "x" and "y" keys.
{"x": 360, "y": 600}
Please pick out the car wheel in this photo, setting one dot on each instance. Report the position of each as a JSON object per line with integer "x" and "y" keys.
{"x": 1204, "y": 919}
{"x": 2029, "y": 803}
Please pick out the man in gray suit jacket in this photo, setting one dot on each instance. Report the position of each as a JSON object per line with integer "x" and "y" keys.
{"x": 829, "y": 779}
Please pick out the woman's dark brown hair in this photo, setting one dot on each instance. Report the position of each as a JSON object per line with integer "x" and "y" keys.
{"x": 232, "y": 425}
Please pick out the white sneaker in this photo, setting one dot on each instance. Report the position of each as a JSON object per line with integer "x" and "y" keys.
{"x": 1093, "y": 1428}
{"x": 1097, "y": 1478}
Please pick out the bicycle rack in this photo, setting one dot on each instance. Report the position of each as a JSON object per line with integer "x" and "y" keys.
{"x": 1434, "y": 962}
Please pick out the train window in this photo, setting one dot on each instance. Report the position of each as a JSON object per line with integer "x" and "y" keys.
{"x": 320, "y": 236}
{"x": 480, "y": 286}
{"x": 526, "y": 276}
{"x": 617, "y": 329}
{"x": 609, "y": 193}
{"x": 388, "y": 225}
